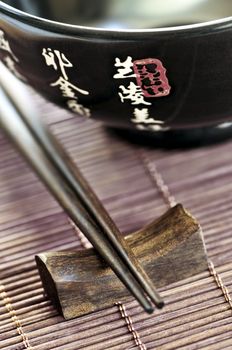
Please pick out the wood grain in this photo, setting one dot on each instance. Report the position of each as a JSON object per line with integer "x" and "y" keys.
{"x": 170, "y": 248}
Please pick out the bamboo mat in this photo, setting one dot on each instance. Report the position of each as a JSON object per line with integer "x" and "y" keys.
{"x": 198, "y": 314}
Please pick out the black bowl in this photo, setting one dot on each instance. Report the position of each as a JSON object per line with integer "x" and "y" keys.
{"x": 173, "y": 71}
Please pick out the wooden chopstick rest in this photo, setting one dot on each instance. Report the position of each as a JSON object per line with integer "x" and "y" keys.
{"x": 171, "y": 248}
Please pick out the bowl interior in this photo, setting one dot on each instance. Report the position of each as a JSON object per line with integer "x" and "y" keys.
{"x": 126, "y": 14}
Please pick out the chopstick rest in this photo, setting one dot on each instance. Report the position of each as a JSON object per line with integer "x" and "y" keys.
{"x": 170, "y": 249}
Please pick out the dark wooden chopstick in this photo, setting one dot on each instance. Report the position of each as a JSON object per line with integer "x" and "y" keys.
{"x": 90, "y": 201}
{"x": 92, "y": 218}
{"x": 17, "y": 130}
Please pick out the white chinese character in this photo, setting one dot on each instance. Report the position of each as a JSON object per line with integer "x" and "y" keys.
{"x": 142, "y": 116}
{"x": 67, "y": 88}
{"x": 134, "y": 93}
{"x": 51, "y": 57}
{"x": 78, "y": 108}
{"x": 152, "y": 127}
{"x": 4, "y": 45}
{"x": 11, "y": 66}
{"x": 224, "y": 125}
{"x": 158, "y": 128}
{"x": 125, "y": 68}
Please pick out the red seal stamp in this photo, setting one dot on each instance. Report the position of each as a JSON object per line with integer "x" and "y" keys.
{"x": 151, "y": 77}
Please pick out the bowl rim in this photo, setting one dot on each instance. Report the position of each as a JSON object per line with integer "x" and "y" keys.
{"x": 71, "y": 29}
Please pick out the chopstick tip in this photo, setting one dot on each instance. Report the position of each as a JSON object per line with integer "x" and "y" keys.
{"x": 149, "y": 310}
{"x": 160, "y": 304}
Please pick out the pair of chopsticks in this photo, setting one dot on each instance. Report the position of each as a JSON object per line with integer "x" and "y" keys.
{"x": 64, "y": 180}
